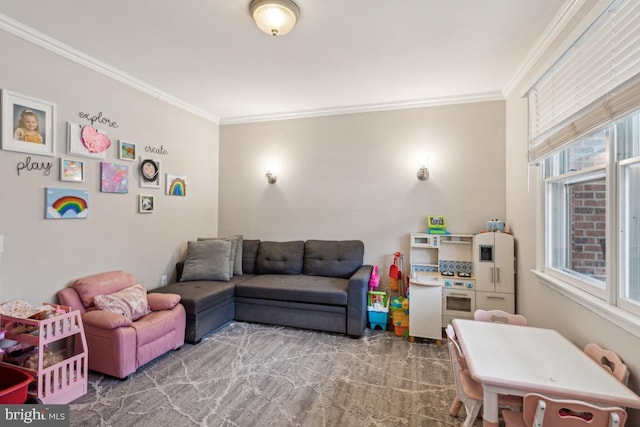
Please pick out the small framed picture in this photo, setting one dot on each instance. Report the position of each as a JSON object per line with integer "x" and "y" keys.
{"x": 176, "y": 185}
{"x": 127, "y": 151}
{"x": 149, "y": 173}
{"x": 71, "y": 170}
{"x": 28, "y": 124}
{"x": 146, "y": 203}
{"x": 114, "y": 178}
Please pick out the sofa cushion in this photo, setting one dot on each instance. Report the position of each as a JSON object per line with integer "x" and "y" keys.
{"x": 299, "y": 288}
{"x": 249, "y": 255}
{"x": 280, "y": 257}
{"x": 130, "y": 302}
{"x": 207, "y": 260}
{"x": 102, "y": 284}
{"x": 333, "y": 258}
{"x": 197, "y": 296}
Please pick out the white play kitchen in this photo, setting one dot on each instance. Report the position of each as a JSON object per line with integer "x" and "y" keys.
{"x": 452, "y": 275}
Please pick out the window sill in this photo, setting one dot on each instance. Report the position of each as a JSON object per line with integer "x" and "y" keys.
{"x": 615, "y": 315}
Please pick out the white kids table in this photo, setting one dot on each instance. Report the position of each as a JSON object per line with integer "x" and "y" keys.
{"x": 516, "y": 360}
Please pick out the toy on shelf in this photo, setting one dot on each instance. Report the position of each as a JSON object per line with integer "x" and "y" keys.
{"x": 495, "y": 225}
{"x": 437, "y": 225}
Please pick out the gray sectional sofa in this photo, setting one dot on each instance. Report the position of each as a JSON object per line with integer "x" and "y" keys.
{"x": 313, "y": 284}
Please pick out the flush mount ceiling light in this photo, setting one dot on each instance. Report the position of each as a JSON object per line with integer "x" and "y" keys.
{"x": 275, "y": 17}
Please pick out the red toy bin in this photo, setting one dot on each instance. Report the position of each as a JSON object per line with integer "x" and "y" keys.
{"x": 14, "y": 383}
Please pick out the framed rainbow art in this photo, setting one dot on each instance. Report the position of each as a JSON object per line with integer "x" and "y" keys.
{"x": 65, "y": 203}
{"x": 176, "y": 185}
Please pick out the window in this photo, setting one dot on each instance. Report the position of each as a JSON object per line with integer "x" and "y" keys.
{"x": 576, "y": 212}
{"x": 584, "y": 130}
{"x": 630, "y": 234}
{"x": 592, "y": 213}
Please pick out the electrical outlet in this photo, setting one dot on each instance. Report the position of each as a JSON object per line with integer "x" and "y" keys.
{"x": 163, "y": 280}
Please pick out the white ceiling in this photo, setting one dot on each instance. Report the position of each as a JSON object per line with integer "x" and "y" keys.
{"x": 343, "y": 55}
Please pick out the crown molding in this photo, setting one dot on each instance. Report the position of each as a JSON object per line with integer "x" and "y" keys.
{"x": 354, "y": 109}
{"x": 42, "y": 40}
{"x": 553, "y": 30}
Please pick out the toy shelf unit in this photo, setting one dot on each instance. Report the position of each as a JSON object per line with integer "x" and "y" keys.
{"x": 454, "y": 255}
{"x": 65, "y": 380}
{"x": 423, "y": 257}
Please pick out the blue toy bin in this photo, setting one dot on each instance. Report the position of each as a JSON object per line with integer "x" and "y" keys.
{"x": 378, "y": 318}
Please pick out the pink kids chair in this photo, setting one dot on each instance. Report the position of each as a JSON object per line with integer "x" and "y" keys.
{"x": 124, "y": 326}
{"x": 542, "y": 411}
{"x": 499, "y": 316}
{"x": 609, "y": 360}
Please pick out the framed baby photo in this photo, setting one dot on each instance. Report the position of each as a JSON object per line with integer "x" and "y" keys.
{"x": 149, "y": 173}
{"x": 146, "y": 203}
{"x": 127, "y": 151}
{"x": 71, "y": 170}
{"x": 28, "y": 124}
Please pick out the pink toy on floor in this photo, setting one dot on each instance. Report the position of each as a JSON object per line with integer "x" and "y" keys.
{"x": 374, "y": 281}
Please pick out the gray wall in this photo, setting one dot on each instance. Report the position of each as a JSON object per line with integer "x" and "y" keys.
{"x": 542, "y": 306}
{"x": 354, "y": 176}
{"x": 41, "y": 255}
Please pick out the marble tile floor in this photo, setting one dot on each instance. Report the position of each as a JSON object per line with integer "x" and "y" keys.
{"x": 261, "y": 375}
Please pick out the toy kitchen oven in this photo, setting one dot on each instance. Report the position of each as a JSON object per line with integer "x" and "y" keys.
{"x": 458, "y": 295}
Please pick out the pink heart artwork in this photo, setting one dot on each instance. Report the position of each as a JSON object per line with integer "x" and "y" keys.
{"x": 95, "y": 141}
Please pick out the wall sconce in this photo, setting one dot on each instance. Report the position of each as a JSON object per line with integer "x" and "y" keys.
{"x": 271, "y": 176}
{"x": 423, "y": 172}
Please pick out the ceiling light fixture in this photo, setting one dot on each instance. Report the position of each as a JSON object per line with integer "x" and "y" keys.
{"x": 275, "y": 17}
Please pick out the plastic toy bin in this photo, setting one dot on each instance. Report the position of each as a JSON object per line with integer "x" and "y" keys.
{"x": 14, "y": 383}
{"x": 378, "y": 318}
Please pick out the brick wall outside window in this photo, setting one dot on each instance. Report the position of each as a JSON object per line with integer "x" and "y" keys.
{"x": 588, "y": 209}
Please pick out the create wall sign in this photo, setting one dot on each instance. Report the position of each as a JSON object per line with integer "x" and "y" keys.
{"x": 156, "y": 150}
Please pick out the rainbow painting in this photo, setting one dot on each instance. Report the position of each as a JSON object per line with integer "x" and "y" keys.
{"x": 63, "y": 203}
{"x": 176, "y": 185}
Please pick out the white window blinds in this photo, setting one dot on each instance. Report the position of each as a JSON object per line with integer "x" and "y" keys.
{"x": 594, "y": 82}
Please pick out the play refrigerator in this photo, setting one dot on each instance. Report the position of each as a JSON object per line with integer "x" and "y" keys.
{"x": 66, "y": 379}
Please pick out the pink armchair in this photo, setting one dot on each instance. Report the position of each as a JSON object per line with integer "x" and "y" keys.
{"x": 124, "y": 326}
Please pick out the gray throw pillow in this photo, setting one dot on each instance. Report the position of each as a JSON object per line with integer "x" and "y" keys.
{"x": 235, "y": 263}
{"x": 207, "y": 260}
